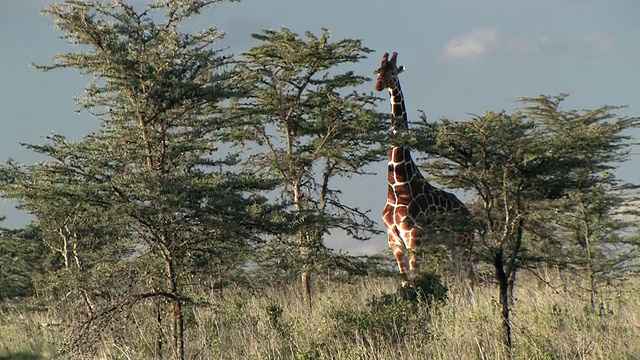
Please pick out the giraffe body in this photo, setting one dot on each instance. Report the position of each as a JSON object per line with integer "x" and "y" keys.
{"x": 414, "y": 205}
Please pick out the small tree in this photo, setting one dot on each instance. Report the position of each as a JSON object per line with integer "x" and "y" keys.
{"x": 594, "y": 224}
{"x": 310, "y": 126}
{"x": 597, "y": 238}
{"x": 514, "y": 163}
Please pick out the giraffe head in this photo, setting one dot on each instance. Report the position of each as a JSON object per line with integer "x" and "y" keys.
{"x": 388, "y": 72}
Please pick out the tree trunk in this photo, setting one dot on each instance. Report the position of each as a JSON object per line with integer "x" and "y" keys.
{"x": 159, "y": 336}
{"x": 303, "y": 245}
{"x": 306, "y": 289}
{"x": 178, "y": 331}
{"x": 512, "y": 284}
{"x": 177, "y": 324}
{"x": 594, "y": 288}
{"x": 590, "y": 270}
{"x": 503, "y": 286}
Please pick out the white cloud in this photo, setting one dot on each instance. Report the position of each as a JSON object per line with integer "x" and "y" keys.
{"x": 481, "y": 42}
{"x": 601, "y": 43}
{"x": 472, "y": 45}
{"x": 527, "y": 46}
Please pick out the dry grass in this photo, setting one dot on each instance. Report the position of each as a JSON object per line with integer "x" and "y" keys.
{"x": 274, "y": 324}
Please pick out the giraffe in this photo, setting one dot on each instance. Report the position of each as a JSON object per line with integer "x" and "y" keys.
{"x": 413, "y": 204}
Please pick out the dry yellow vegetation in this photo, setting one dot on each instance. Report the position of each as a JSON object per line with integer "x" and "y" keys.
{"x": 549, "y": 321}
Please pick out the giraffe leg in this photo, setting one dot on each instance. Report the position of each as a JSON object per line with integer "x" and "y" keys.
{"x": 414, "y": 268}
{"x": 468, "y": 264}
{"x": 464, "y": 262}
{"x": 412, "y": 245}
{"x": 400, "y": 253}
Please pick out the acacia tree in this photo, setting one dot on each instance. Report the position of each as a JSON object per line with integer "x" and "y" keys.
{"x": 516, "y": 162}
{"x": 310, "y": 126}
{"x": 146, "y": 206}
{"x": 599, "y": 237}
{"x": 596, "y": 229}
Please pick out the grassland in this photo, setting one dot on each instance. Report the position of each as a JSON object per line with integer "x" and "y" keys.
{"x": 550, "y": 322}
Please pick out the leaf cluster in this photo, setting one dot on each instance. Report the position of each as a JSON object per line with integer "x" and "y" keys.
{"x": 24, "y": 261}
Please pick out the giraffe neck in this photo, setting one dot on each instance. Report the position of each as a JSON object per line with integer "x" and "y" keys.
{"x": 402, "y": 168}
{"x": 398, "y": 109}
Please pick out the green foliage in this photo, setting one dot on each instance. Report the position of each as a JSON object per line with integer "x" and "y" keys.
{"x": 274, "y": 316}
{"x": 426, "y": 288}
{"x": 386, "y": 318}
{"x": 146, "y": 205}
{"x": 522, "y": 163}
{"x": 308, "y": 125}
{"x": 24, "y": 262}
{"x": 520, "y": 166}
{"x": 310, "y": 354}
{"x": 394, "y": 317}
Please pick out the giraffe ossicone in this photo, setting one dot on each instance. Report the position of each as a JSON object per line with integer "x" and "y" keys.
{"x": 414, "y": 206}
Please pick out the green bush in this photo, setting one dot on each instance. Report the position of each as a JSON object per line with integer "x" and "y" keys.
{"x": 274, "y": 319}
{"x": 394, "y": 316}
{"x": 427, "y": 288}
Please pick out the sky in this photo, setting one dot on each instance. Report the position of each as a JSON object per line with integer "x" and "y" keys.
{"x": 462, "y": 57}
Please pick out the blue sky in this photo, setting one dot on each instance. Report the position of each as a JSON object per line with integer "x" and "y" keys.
{"x": 462, "y": 56}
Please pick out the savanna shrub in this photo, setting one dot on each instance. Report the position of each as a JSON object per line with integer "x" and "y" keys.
{"x": 428, "y": 288}
{"x": 393, "y": 316}
{"x": 274, "y": 319}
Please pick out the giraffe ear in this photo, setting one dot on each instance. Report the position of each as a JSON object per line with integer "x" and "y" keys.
{"x": 401, "y": 69}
